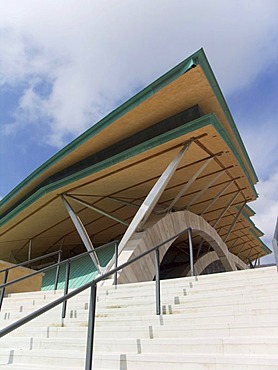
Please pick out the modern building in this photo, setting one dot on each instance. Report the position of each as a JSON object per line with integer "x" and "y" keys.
{"x": 167, "y": 164}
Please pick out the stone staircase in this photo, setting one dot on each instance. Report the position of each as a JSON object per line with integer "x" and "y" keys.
{"x": 222, "y": 321}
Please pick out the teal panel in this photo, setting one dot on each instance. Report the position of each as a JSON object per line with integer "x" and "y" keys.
{"x": 82, "y": 270}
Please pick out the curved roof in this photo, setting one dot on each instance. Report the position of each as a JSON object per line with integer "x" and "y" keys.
{"x": 118, "y": 159}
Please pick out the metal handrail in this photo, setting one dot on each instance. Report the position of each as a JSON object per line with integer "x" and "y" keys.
{"x": 57, "y": 265}
{"x": 29, "y": 261}
{"x": 53, "y": 265}
{"x": 8, "y": 269}
{"x": 93, "y": 285}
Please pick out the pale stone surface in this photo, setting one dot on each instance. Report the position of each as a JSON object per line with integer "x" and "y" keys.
{"x": 220, "y": 321}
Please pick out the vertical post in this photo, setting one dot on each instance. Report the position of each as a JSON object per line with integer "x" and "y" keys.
{"x": 255, "y": 264}
{"x": 157, "y": 282}
{"x": 3, "y": 289}
{"x": 91, "y": 327}
{"x": 191, "y": 251}
{"x": 29, "y": 249}
{"x": 116, "y": 264}
{"x": 66, "y": 289}
{"x": 57, "y": 270}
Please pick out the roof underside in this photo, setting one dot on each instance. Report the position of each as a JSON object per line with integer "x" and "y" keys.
{"x": 119, "y": 159}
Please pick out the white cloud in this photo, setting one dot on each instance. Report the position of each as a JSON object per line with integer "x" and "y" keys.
{"x": 96, "y": 54}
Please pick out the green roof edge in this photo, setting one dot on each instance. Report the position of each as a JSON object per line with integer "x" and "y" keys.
{"x": 252, "y": 231}
{"x": 149, "y": 144}
{"x": 250, "y": 209}
{"x": 203, "y": 61}
{"x": 198, "y": 57}
{"x": 264, "y": 247}
{"x": 142, "y": 95}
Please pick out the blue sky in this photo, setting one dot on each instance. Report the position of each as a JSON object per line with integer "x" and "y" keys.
{"x": 66, "y": 64}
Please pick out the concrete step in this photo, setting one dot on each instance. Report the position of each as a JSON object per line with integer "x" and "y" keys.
{"x": 187, "y": 311}
{"x": 185, "y": 296}
{"x": 225, "y": 345}
{"x": 186, "y": 362}
{"x": 225, "y": 321}
{"x": 73, "y": 360}
{"x": 192, "y": 289}
{"x": 114, "y": 306}
{"x": 176, "y": 312}
{"x": 239, "y": 277}
{"x": 75, "y": 317}
{"x": 150, "y": 331}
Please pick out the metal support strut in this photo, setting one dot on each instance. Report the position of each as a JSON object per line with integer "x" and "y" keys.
{"x": 150, "y": 201}
{"x": 191, "y": 252}
{"x": 3, "y": 289}
{"x": 157, "y": 282}
{"x": 116, "y": 264}
{"x": 83, "y": 234}
{"x": 91, "y": 328}
{"x": 57, "y": 270}
{"x": 66, "y": 289}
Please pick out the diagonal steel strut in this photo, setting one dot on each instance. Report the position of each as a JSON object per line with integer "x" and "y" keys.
{"x": 150, "y": 201}
{"x": 83, "y": 234}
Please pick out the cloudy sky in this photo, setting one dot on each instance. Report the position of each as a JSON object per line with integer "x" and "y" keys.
{"x": 65, "y": 64}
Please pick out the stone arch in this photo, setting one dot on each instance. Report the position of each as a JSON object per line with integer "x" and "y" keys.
{"x": 210, "y": 257}
{"x": 160, "y": 229}
{"x": 202, "y": 263}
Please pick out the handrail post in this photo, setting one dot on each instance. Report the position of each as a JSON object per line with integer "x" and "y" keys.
{"x": 4, "y": 288}
{"x": 91, "y": 328}
{"x": 66, "y": 288}
{"x": 191, "y": 251}
{"x": 157, "y": 282}
{"x": 57, "y": 270}
{"x": 116, "y": 264}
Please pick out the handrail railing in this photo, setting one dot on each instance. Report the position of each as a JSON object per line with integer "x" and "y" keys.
{"x": 57, "y": 265}
{"x": 21, "y": 264}
{"x": 93, "y": 285}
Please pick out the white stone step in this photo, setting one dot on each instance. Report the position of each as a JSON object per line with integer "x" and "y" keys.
{"x": 225, "y": 321}
{"x": 189, "y": 300}
{"x": 225, "y": 345}
{"x": 73, "y": 360}
{"x": 152, "y": 331}
{"x": 187, "y": 362}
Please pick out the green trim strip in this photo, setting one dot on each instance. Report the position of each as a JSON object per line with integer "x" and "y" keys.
{"x": 249, "y": 209}
{"x": 203, "y": 61}
{"x": 131, "y": 103}
{"x": 246, "y": 216}
{"x": 149, "y": 144}
{"x": 253, "y": 231}
{"x": 198, "y": 57}
{"x": 217, "y": 125}
{"x": 263, "y": 246}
